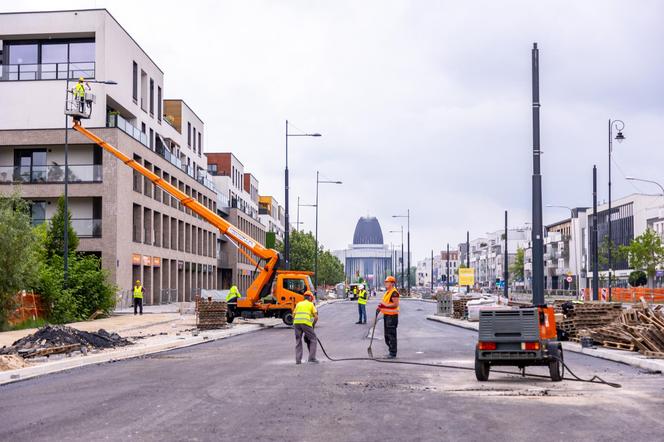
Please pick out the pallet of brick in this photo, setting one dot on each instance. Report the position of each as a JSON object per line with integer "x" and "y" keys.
{"x": 211, "y": 314}
{"x": 459, "y": 307}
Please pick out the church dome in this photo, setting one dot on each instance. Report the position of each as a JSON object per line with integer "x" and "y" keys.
{"x": 367, "y": 231}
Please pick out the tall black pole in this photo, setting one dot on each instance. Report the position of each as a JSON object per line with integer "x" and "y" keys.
{"x": 432, "y": 272}
{"x": 316, "y": 252}
{"x": 467, "y": 256}
{"x": 610, "y": 243}
{"x": 594, "y": 240}
{"x": 506, "y": 271}
{"x": 408, "y": 252}
{"x": 66, "y": 196}
{"x": 448, "y": 267}
{"x": 287, "y": 216}
{"x": 537, "y": 239}
{"x": 402, "y": 262}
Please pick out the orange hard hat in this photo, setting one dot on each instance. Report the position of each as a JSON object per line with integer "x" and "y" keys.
{"x": 308, "y": 294}
{"x": 391, "y": 279}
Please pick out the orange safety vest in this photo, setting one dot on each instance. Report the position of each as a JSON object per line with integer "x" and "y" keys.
{"x": 387, "y": 299}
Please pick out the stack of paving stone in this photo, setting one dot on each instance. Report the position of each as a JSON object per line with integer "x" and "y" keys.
{"x": 641, "y": 328}
{"x": 210, "y": 314}
{"x": 580, "y": 318}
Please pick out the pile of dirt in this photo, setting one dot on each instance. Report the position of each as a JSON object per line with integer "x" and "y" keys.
{"x": 11, "y": 362}
{"x": 52, "y": 339}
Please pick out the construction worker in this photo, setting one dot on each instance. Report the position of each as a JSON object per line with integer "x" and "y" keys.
{"x": 362, "y": 305}
{"x": 305, "y": 317}
{"x": 389, "y": 307}
{"x": 79, "y": 93}
{"x": 138, "y": 296}
{"x": 233, "y": 295}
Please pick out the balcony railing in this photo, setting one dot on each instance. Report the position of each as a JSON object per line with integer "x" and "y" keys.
{"x": 78, "y": 173}
{"x": 128, "y": 128}
{"x": 46, "y": 71}
{"x": 84, "y": 227}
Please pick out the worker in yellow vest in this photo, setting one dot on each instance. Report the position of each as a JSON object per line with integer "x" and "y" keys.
{"x": 233, "y": 295}
{"x": 138, "y": 297}
{"x": 79, "y": 93}
{"x": 389, "y": 307}
{"x": 305, "y": 317}
{"x": 362, "y": 305}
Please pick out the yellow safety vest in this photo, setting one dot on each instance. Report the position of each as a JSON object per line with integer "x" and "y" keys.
{"x": 362, "y": 298}
{"x": 79, "y": 90}
{"x": 232, "y": 295}
{"x": 387, "y": 299}
{"x": 304, "y": 313}
{"x": 138, "y": 291}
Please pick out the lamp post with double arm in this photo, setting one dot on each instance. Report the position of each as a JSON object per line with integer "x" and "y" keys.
{"x": 319, "y": 181}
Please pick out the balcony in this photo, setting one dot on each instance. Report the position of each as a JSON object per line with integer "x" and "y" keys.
{"x": 46, "y": 71}
{"x": 125, "y": 126}
{"x": 78, "y": 173}
{"x": 84, "y": 227}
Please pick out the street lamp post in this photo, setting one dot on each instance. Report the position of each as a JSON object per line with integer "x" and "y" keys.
{"x": 298, "y": 211}
{"x": 631, "y": 178}
{"x": 447, "y": 279}
{"x": 287, "y": 214}
{"x": 66, "y": 190}
{"x": 319, "y": 181}
{"x": 571, "y": 216}
{"x": 408, "y": 239}
{"x": 619, "y": 126}
{"x": 397, "y": 231}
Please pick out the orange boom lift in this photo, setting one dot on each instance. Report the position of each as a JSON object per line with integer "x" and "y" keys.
{"x": 273, "y": 292}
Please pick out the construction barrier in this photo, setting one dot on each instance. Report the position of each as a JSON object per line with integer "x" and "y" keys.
{"x": 630, "y": 294}
{"x": 29, "y": 306}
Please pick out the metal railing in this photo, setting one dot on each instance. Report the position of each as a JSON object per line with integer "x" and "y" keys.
{"x": 166, "y": 296}
{"x": 35, "y": 174}
{"x": 128, "y": 128}
{"x": 47, "y": 71}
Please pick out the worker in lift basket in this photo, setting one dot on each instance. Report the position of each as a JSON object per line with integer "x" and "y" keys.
{"x": 138, "y": 296}
{"x": 305, "y": 317}
{"x": 389, "y": 307}
{"x": 79, "y": 93}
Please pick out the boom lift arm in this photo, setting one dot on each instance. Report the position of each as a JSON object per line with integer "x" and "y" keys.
{"x": 261, "y": 285}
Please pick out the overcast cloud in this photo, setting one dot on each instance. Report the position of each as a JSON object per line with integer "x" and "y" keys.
{"x": 422, "y": 104}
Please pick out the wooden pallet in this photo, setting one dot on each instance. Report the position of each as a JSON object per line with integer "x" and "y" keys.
{"x": 618, "y": 345}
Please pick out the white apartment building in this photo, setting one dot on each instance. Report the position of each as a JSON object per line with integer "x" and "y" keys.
{"x": 440, "y": 269}
{"x": 272, "y": 215}
{"x": 138, "y": 230}
{"x": 487, "y": 254}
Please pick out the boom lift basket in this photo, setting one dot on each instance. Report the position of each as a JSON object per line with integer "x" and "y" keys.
{"x": 77, "y": 108}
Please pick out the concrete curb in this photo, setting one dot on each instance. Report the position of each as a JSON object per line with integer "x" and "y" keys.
{"x": 20, "y": 374}
{"x": 624, "y": 357}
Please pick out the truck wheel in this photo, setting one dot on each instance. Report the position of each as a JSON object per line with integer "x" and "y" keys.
{"x": 482, "y": 369}
{"x": 288, "y": 318}
{"x": 555, "y": 365}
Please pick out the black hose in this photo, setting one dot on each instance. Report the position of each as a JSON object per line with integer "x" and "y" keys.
{"x": 594, "y": 380}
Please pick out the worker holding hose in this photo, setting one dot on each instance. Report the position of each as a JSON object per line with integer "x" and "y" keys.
{"x": 305, "y": 317}
{"x": 389, "y": 307}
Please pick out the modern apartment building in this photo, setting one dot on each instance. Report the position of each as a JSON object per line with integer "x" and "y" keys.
{"x": 138, "y": 230}
{"x": 272, "y": 215}
{"x": 487, "y": 254}
{"x": 238, "y": 204}
{"x": 440, "y": 272}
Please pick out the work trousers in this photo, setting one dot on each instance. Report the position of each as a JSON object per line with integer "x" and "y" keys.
{"x": 362, "y": 309}
{"x": 391, "y": 322}
{"x": 301, "y": 329}
{"x": 138, "y": 303}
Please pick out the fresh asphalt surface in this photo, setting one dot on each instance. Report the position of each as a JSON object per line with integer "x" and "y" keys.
{"x": 249, "y": 388}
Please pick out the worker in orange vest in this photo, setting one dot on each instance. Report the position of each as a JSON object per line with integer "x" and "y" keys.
{"x": 389, "y": 307}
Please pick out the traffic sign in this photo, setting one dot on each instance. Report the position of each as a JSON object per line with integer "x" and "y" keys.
{"x": 569, "y": 279}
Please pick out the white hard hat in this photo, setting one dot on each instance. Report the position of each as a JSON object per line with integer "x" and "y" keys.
{"x": 361, "y": 286}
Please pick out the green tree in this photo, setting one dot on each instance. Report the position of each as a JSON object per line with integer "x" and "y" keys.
{"x": 330, "y": 269}
{"x": 638, "y": 278}
{"x": 19, "y": 257}
{"x": 645, "y": 252}
{"x": 302, "y": 250}
{"x": 516, "y": 269}
{"x": 55, "y": 242}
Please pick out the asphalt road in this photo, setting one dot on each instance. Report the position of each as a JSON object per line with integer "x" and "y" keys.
{"x": 249, "y": 388}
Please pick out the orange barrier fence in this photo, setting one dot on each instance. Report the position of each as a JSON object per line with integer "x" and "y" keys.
{"x": 631, "y": 294}
{"x": 30, "y": 306}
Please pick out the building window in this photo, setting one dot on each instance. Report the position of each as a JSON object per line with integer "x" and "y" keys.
{"x": 143, "y": 127}
{"x": 144, "y": 90}
{"x": 151, "y": 139}
{"x": 49, "y": 59}
{"x": 151, "y": 97}
{"x": 189, "y": 134}
{"x": 159, "y": 111}
{"x": 134, "y": 90}
{"x": 194, "y": 139}
{"x": 200, "y": 144}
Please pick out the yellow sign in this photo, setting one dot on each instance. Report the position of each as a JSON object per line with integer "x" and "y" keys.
{"x": 466, "y": 276}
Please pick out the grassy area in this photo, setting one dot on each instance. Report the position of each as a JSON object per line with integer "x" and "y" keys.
{"x": 30, "y": 323}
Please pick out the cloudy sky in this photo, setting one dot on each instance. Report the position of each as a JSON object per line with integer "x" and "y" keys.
{"x": 423, "y": 105}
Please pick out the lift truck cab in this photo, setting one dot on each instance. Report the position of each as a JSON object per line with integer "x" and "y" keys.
{"x": 519, "y": 337}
